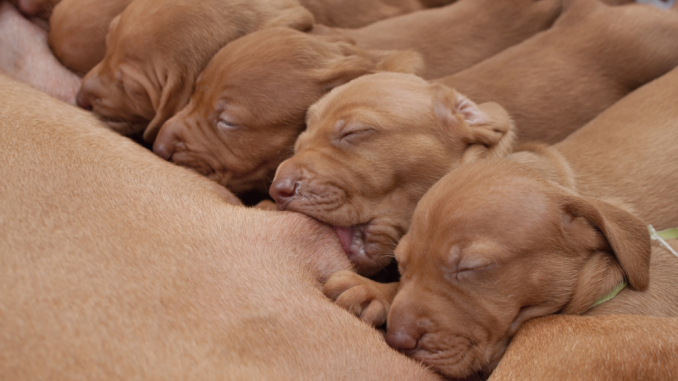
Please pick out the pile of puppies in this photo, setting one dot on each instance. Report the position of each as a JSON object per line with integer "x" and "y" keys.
{"x": 402, "y": 134}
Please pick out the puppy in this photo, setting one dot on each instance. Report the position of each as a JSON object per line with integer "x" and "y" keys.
{"x": 557, "y": 81}
{"x": 546, "y": 230}
{"x": 373, "y": 147}
{"x": 251, "y": 100}
{"x": 473, "y": 31}
{"x": 118, "y": 265}
{"x": 157, "y": 49}
{"x": 27, "y": 58}
{"x": 78, "y": 29}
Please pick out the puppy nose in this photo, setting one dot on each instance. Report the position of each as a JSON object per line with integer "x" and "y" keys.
{"x": 283, "y": 191}
{"x": 83, "y": 101}
{"x": 402, "y": 340}
{"x": 165, "y": 143}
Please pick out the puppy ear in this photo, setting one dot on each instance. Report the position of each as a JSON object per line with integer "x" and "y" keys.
{"x": 487, "y": 130}
{"x": 175, "y": 96}
{"x": 111, "y": 27}
{"x": 620, "y": 245}
{"x": 399, "y": 61}
{"x": 295, "y": 17}
{"x": 349, "y": 62}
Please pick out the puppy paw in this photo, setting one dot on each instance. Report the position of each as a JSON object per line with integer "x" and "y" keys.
{"x": 266, "y": 205}
{"x": 364, "y": 298}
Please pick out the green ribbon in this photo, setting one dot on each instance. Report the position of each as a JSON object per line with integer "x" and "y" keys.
{"x": 610, "y": 295}
{"x": 662, "y": 235}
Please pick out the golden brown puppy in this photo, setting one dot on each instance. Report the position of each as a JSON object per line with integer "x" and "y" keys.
{"x": 250, "y": 102}
{"x": 78, "y": 30}
{"x": 605, "y": 348}
{"x": 560, "y": 79}
{"x": 149, "y": 69}
{"x": 373, "y": 147}
{"x": 36, "y": 8}
{"x": 118, "y": 265}
{"x": 498, "y": 242}
{"x": 26, "y": 57}
{"x": 460, "y": 35}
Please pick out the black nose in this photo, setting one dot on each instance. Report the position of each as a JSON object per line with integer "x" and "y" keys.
{"x": 283, "y": 191}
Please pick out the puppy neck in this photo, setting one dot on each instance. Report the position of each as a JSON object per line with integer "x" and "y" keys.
{"x": 547, "y": 161}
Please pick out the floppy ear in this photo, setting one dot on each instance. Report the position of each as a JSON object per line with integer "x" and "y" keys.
{"x": 620, "y": 245}
{"x": 399, "y": 61}
{"x": 487, "y": 130}
{"x": 175, "y": 96}
{"x": 351, "y": 62}
{"x": 295, "y": 17}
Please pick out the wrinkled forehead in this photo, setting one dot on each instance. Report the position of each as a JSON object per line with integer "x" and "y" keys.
{"x": 492, "y": 200}
{"x": 387, "y": 96}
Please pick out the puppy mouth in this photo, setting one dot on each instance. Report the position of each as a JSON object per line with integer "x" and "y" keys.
{"x": 353, "y": 241}
{"x": 363, "y": 249}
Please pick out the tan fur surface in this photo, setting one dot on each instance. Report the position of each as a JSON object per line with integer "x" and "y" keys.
{"x": 117, "y": 265}
{"x": 357, "y": 13}
{"x": 605, "y": 348}
{"x": 557, "y": 81}
{"x": 460, "y": 35}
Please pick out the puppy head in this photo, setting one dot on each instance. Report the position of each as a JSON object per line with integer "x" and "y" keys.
{"x": 373, "y": 147}
{"x": 150, "y": 68}
{"x": 78, "y": 31}
{"x": 492, "y": 245}
{"x": 250, "y": 102}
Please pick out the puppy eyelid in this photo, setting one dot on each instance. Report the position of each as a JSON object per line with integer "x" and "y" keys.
{"x": 223, "y": 124}
{"x": 348, "y": 133}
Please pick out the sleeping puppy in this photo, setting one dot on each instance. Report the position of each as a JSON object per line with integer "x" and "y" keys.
{"x": 483, "y": 257}
{"x": 557, "y": 81}
{"x": 473, "y": 31}
{"x": 157, "y": 49}
{"x": 371, "y": 150}
{"x": 78, "y": 29}
{"x": 547, "y": 230}
{"x": 251, "y": 100}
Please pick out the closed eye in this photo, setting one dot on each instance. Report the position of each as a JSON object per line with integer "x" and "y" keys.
{"x": 224, "y": 125}
{"x": 351, "y": 135}
{"x": 466, "y": 272}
